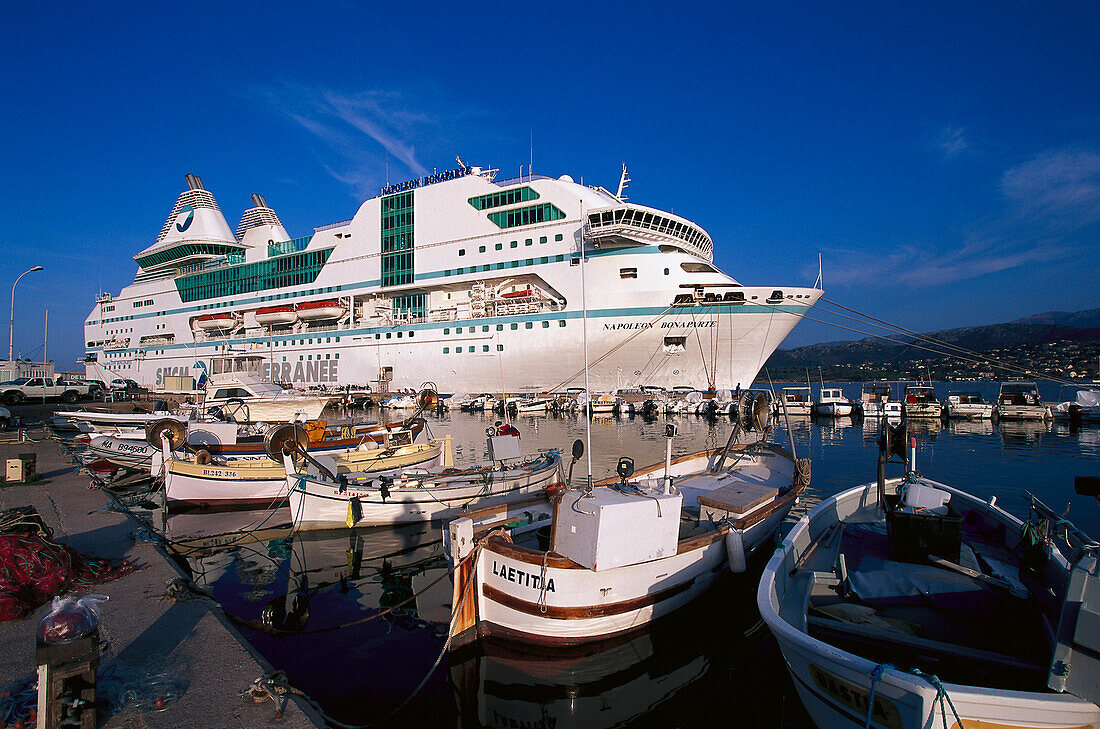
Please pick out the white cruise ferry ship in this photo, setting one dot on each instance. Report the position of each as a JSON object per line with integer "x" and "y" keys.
{"x": 457, "y": 278}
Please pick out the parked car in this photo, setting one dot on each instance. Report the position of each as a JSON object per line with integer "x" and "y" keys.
{"x": 5, "y": 418}
{"x": 121, "y": 385}
{"x": 31, "y": 388}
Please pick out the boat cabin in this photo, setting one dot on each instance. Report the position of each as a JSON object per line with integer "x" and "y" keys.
{"x": 1019, "y": 393}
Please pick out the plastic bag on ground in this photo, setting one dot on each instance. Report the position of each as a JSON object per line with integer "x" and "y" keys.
{"x": 70, "y": 619}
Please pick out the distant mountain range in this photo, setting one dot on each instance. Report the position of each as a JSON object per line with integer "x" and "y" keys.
{"x": 1080, "y": 326}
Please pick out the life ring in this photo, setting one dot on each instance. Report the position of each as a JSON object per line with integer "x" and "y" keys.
{"x": 202, "y": 457}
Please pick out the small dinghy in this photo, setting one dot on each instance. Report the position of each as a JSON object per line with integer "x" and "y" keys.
{"x": 323, "y": 498}
{"x": 590, "y": 563}
{"x": 907, "y": 603}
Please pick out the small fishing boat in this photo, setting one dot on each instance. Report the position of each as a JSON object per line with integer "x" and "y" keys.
{"x": 832, "y": 403}
{"x": 263, "y": 481}
{"x": 796, "y": 401}
{"x": 586, "y": 564}
{"x": 907, "y": 603}
{"x": 921, "y": 402}
{"x": 1021, "y": 401}
{"x": 322, "y": 497}
{"x": 873, "y": 399}
{"x": 968, "y": 405}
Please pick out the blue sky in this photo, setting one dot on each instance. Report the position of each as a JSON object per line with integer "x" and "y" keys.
{"x": 943, "y": 157}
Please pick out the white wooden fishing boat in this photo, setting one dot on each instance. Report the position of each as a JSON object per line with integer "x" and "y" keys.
{"x": 617, "y": 557}
{"x": 873, "y": 399}
{"x": 324, "y": 498}
{"x": 263, "y": 481}
{"x": 921, "y": 402}
{"x": 1021, "y": 401}
{"x": 832, "y": 403}
{"x": 942, "y": 611}
{"x": 968, "y": 405}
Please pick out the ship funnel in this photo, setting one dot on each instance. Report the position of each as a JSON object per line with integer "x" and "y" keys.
{"x": 258, "y": 200}
{"x": 194, "y": 182}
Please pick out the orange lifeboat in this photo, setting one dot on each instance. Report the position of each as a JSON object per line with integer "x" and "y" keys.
{"x": 276, "y": 316}
{"x": 518, "y": 294}
{"x": 215, "y": 322}
{"x": 320, "y": 310}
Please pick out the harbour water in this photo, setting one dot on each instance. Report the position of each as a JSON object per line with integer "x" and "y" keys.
{"x": 361, "y": 662}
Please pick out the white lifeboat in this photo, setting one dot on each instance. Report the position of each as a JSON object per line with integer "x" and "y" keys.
{"x": 320, "y": 310}
{"x": 276, "y": 316}
{"x": 215, "y": 322}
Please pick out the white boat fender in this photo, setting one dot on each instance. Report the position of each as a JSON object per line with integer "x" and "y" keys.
{"x": 735, "y": 551}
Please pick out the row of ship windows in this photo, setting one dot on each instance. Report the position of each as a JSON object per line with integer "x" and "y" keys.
{"x": 506, "y": 264}
{"x": 296, "y": 342}
{"x": 513, "y": 244}
{"x": 309, "y": 357}
{"x": 139, "y": 304}
{"x": 500, "y": 327}
{"x": 484, "y": 348}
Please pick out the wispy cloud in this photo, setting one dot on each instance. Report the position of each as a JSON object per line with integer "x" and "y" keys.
{"x": 1063, "y": 187}
{"x": 952, "y": 142}
{"x": 369, "y": 131}
{"x": 1048, "y": 200}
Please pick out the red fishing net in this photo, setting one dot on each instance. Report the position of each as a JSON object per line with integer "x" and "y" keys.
{"x": 34, "y": 568}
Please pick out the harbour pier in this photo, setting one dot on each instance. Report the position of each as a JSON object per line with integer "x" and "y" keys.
{"x": 164, "y": 642}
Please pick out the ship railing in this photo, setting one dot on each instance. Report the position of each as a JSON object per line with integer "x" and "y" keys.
{"x": 330, "y": 226}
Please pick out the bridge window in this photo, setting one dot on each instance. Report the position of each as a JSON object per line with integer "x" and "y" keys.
{"x": 526, "y": 216}
{"x": 504, "y": 197}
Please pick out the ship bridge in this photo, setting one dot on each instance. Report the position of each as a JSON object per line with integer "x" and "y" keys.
{"x": 632, "y": 225}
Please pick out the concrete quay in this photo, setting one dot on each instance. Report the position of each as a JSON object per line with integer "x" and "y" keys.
{"x": 188, "y": 642}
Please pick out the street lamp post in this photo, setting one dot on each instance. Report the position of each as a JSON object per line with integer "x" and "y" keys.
{"x": 11, "y": 321}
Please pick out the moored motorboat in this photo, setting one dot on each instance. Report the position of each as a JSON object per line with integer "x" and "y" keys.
{"x": 1085, "y": 407}
{"x": 831, "y": 403}
{"x": 873, "y": 399}
{"x": 1021, "y": 401}
{"x": 795, "y": 401}
{"x": 967, "y": 405}
{"x": 589, "y": 563}
{"x": 907, "y": 603}
{"x": 921, "y": 402}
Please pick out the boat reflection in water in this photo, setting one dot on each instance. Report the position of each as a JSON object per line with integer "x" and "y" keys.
{"x": 970, "y": 427}
{"x": 653, "y": 677}
{"x": 1018, "y": 432}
